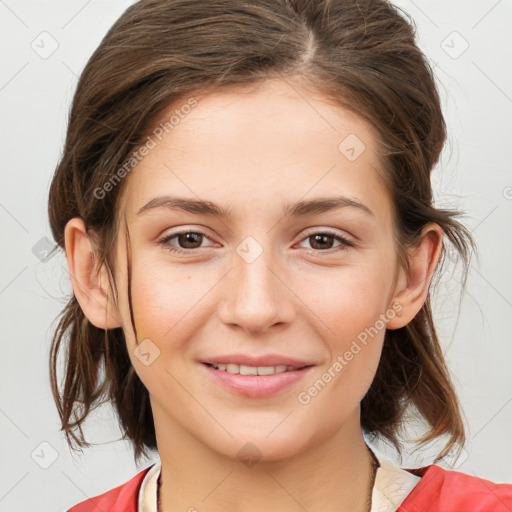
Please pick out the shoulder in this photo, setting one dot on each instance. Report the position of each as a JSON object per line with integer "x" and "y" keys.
{"x": 440, "y": 490}
{"x": 120, "y": 499}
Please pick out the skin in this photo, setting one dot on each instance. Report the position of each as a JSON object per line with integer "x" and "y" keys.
{"x": 256, "y": 150}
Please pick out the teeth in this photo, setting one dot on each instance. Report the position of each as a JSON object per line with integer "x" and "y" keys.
{"x": 252, "y": 370}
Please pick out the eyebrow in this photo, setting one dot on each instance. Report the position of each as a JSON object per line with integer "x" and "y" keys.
{"x": 298, "y": 209}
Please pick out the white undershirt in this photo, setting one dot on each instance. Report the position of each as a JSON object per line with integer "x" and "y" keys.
{"x": 392, "y": 486}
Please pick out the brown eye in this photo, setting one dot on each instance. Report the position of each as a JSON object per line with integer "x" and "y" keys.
{"x": 323, "y": 241}
{"x": 187, "y": 241}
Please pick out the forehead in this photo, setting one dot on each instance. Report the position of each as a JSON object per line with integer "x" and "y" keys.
{"x": 245, "y": 147}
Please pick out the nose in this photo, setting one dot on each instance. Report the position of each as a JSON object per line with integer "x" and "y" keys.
{"x": 257, "y": 295}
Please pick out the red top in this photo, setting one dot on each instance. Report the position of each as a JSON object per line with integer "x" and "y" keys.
{"x": 439, "y": 490}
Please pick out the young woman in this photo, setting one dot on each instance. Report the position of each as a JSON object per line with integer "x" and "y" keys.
{"x": 245, "y": 205}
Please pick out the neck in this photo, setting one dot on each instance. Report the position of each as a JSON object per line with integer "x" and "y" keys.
{"x": 335, "y": 475}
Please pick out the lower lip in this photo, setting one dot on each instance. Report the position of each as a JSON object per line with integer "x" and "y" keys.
{"x": 257, "y": 386}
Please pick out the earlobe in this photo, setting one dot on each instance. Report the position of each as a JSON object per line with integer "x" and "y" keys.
{"x": 90, "y": 289}
{"x": 423, "y": 260}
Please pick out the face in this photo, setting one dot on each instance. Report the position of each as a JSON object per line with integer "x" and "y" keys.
{"x": 273, "y": 282}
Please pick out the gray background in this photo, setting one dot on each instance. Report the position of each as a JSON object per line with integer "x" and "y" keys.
{"x": 45, "y": 45}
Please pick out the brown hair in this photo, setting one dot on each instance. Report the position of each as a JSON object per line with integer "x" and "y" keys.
{"x": 360, "y": 54}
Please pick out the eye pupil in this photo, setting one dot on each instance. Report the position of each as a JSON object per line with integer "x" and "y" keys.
{"x": 321, "y": 237}
{"x": 189, "y": 238}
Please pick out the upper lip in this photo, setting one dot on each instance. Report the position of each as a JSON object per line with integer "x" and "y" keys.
{"x": 267, "y": 360}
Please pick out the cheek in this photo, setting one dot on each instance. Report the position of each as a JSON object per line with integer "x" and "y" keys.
{"x": 353, "y": 333}
{"x": 352, "y": 304}
{"x": 168, "y": 305}
{"x": 168, "y": 300}
{"x": 348, "y": 299}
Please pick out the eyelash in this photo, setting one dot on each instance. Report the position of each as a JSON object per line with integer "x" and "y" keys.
{"x": 344, "y": 241}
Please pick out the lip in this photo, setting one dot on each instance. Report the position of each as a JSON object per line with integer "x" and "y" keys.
{"x": 257, "y": 386}
{"x": 266, "y": 360}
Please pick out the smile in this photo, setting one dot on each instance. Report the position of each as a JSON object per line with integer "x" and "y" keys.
{"x": 255, "y": 381}
{"x": 253, "y": 370}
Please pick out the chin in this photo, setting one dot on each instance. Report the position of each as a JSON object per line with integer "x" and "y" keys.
{"x": 255, "y": 445}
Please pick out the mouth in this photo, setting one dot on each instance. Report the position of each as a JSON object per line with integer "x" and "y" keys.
{"x": 256, "y": 381}
{"x": 241, "y": 369}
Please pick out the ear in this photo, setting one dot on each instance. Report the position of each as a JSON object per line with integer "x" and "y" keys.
{"x": 92, "y": 291}
{"x": 413, "y": 285}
